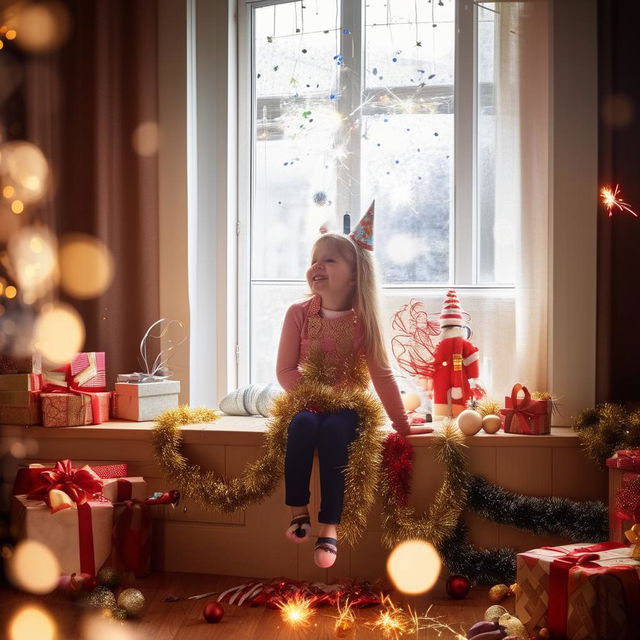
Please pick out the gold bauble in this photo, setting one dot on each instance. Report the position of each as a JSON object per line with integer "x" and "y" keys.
{"x": 469, "y": 422}
{"x": 513, "y": 626}
{"x": 132, "y": 601}
{"x": 119, "y": 613}
{"x": 492, "y": 614}
{"x": 498, "y": 593}
{"x": 109, "y": 577}
{"x": 515, "y": 589}
{"x": 491, "y": 423}
{"x": 100, "y": 598}
{"x": 343, "y": 628}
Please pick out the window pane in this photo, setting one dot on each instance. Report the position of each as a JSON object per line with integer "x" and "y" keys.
{"x": 495, "y": 225}
{"x": 295, "y": 123}
{"x": 408, "y": 136}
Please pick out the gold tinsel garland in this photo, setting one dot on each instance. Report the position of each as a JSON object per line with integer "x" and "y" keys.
{"x": 261, "y": 477}
{"x": 401, "y": 522}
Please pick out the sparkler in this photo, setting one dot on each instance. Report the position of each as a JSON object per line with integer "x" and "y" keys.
{"x": 611, "y": 200}
{"x": 296, "y": 611}
{"x": 393, "y": 621}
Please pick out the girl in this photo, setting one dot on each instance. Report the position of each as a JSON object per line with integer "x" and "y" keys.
{"x": 323, "y": 338}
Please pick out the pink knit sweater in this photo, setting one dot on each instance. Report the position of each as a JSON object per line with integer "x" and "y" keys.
{"x": 294, "y": 345}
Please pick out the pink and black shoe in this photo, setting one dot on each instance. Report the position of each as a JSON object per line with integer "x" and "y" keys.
{"x": 325, "y": 552}
{"x": 299, "y": 529}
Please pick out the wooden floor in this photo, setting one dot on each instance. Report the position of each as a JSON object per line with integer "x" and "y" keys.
{"x": 184, "y": 621}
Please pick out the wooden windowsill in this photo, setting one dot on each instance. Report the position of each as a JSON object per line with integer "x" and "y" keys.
{"x": 249, "y": 430}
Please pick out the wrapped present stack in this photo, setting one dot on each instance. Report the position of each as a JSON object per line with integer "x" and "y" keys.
{"x": 75, "y": 394}
{"x": 580, "y": 592}
{"x": 624, "y": 492}
{"x": 144, "y": 396}
{"x": 20, "y": 398}
{"x": 529, "y": 414}
{"x": 88, "y": 516}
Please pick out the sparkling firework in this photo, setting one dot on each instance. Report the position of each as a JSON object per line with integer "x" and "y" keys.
{"x": 611, "y": 200}
{"x": 297, "y": 611}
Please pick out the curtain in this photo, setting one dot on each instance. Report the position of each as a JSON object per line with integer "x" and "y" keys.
{"x": 522, "y": 172}
{"x": 85, "y": 102}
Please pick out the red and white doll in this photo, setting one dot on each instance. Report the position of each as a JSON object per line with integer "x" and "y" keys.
{"x": 455, "y": 362}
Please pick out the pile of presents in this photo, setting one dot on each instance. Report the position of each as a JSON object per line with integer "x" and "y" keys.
{"x": 88, "y": 516}
{"x": 76, "y": 394}
{"x": 590, "y": 591}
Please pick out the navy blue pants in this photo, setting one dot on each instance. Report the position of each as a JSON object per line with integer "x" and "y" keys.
{"x": 331, "y": 434}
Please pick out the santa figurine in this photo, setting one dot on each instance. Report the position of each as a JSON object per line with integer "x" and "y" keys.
{"x": 455, "y": 362}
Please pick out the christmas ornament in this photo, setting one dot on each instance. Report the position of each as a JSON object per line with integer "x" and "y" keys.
{"x": 119, "y": 613}
{"x": 491, "y": 423}
{"x": 544, "y": 634}
{"x": 515, "y": 589}
{"x": 100, "y": 598}
{"x": 512, "y": 626}
{"x": 498, "y": 593}
{"x": 109, "y": 577}
{"x": 213, "y": 612}
{"x": 485, "y": 630}
{"x": 492, "y": 614}
{"x": 458, "y": 587}
{"x": 132, "y": 601}
{"x": 410, "y": 401}
{"x": 469, "y": 422}
{"x": 320, "y": 198}
{"x": 89, "y": 583}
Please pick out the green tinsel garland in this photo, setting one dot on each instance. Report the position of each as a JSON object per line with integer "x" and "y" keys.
{"x": 607, "y": 428}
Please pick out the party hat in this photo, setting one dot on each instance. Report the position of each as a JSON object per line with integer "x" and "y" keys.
{"x": 362, "y": 234}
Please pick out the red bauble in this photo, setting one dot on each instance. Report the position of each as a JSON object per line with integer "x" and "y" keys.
{"x": 213, "y": 612}
{"x": 458, "y": 587}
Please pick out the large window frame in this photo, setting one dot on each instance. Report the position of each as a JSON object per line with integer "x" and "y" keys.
{"x": 463, "y": 241}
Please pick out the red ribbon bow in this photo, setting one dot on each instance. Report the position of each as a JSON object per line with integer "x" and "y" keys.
{"x": 523, "y": 408}
{"x": 79, "y": 484}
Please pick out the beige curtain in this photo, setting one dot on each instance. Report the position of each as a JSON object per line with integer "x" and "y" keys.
{"x": 522, "y": 172}
{"x": 84, "y": 103}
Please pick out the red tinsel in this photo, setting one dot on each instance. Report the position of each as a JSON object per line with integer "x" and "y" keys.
{"x": 280, "y": 590}
{"x": 628, "y": 500}
{"x": 412, "y": 344}
{"x": 397, "y": 463}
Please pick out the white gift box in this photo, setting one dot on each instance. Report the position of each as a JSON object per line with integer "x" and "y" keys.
{"x": 63, "y": 533}
{"x": 145, "y": 400}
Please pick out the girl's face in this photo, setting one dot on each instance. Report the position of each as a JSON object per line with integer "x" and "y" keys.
{"x": 330, "y": 273}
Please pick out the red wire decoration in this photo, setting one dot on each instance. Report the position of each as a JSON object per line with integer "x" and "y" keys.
{"x": 412, "y": 344}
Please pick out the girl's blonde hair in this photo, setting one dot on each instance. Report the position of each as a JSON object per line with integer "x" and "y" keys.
{"x": 366, "y": 299}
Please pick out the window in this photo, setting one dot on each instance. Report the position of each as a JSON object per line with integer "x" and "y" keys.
{"x": 389, "y": 100}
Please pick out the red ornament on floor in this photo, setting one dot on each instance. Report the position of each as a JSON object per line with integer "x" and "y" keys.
{"x": 458, "y": 587}
{"x": 213, "y": 612}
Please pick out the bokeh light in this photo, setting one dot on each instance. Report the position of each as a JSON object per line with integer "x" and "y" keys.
{"x": 25, "y": 168}
{"x": 32, "y": 252}
{"x": 86, "y": 266}
{"x": 30, "y": 623}
{"x": 59, "y": 333}
{"x": 97, "y": 626}
{"x": 145, "y": 139}
{"x": 402, "y": 248}
{"x": 33, "y": 568}
{"x": 414, "y": 566}
{"x": 40, "y": 27}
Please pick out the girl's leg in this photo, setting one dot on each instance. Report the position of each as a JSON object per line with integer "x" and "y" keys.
{"x": 336, "y": 433}
{"x": 301, "y": 444}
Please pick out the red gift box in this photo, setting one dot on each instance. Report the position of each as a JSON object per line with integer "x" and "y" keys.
{"x": 86, "y": 372}
{"x": 627, "y": 459}
{"x": 74, "y": 408}
{"x": 525, "y": 415}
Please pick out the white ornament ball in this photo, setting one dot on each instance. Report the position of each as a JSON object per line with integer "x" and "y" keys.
{"x": 411, "y": 401}
{"x": 469, "y": 422}
{"x": 491, "y": 423}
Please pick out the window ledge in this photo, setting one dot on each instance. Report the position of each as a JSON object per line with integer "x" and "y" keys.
{"x": 249, "y": 430}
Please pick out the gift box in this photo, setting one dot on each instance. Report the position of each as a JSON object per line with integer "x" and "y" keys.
{"x": 626, "y": 459}
{"x": 132, "y": 539}
{"x": 74, "y": 409}
{"x": 145, "y": 400}
{"x": 624, "y": 467}
{"x": 122, "y": 489}
{"x": 525, "y": 415}
{"x": 20, "y": 407}
{"x": 580, "y": 592}
{"x": 79, "y": 537}
{"x": 86, "y": 372}
{"x": 20, "y": 364}
{"x": 21, "y": 382}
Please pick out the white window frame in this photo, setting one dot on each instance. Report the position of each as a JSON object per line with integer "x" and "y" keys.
{"x": 463, "y": 251}
{"x": 572, "y": 204}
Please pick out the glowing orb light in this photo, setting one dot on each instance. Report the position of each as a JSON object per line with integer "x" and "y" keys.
{"x": 59, "y": 333}
{"x": 41, "y": 26}
{"x": 32, "y": 622}
{"x": 414, "y": 566}
{"x": 34, "y": 568}
{"x": 32, "y": 252}
{"x": 86, "y": 266}
{"x": 25, "y": 169}
{"x": 145, "y": 139}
